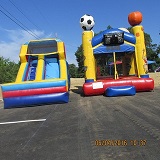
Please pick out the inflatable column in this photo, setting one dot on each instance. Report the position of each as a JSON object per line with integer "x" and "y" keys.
{"x": 89, "y": 60}
{"x": 141, "y": 50}
{"x": 23, "y": 65}
{"x": 135, "y": 18}
{"x": 40, "y": 66}
{"x": 133, "y": 70}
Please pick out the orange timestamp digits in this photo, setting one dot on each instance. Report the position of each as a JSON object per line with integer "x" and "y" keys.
{"x": 119, "y": 142}
{"x": 138, "y": 142}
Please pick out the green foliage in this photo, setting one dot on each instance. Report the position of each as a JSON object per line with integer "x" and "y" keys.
{"x": 73, "y": 71}
{"x": 109, "y": 27}
{"x": 8, "y": 70}
{"x": 80, "y": 59}
{"x": 152, "y": 50}
{"x": 158, "y": 53}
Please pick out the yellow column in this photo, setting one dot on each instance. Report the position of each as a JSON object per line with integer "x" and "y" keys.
{"x": 89, "y": 60}
{"x": 141, "y": 58}
{"x": 21, "y": 72}
{"x": 62, "y": 60}
{"x": 133, "y": 65}
{"x": 61, "y": 51}
{"x": 23, "y": 61}
{"x": 40, "y": 67}
{"x": 115, "y": 66}
{"x": 63, "y": 69}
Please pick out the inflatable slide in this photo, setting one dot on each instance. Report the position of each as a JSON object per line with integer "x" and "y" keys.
{"x": 42, "y": 77}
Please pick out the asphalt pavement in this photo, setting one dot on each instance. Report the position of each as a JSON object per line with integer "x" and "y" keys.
{"x": 86, "y": 128}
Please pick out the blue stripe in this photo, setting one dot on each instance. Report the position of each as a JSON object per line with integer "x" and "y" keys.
{"x": 36, "y": 100}
{"x": 22, "y": 86}
{"x": 110, "y": 49}
{"x": 144, "y": 76}
{"x": 89, "y": 80}
{"x": 99, "y": 38}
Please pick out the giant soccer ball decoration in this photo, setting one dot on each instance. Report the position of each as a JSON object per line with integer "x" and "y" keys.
{"x": 87, "y": 22}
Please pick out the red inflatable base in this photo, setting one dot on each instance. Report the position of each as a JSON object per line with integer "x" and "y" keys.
{"x": 98, "y": 87}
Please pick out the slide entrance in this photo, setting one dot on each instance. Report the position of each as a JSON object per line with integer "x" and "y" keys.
{"x": 51, "y": 67}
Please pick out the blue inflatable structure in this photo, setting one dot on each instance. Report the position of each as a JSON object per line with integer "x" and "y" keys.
{"x": 115, "y": 91}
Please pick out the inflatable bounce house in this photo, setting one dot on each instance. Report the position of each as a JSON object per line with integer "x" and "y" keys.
{"x": 42, "y": 77}
{"x": 123, "y": 48}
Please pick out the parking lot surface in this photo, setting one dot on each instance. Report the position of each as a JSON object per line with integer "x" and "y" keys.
{"x": 86, "y": 128}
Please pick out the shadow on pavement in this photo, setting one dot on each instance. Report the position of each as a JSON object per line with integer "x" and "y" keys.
{"x": 78, "y": 90}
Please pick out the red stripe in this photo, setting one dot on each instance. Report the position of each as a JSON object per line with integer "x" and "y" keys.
{"x": 28, "y": 92}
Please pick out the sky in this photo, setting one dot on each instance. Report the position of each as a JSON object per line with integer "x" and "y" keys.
{"x": 60, "y": 19}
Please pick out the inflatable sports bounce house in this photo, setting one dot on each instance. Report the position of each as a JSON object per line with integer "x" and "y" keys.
{"x": 119, "y": 51}
{"x": 42, "y": 78}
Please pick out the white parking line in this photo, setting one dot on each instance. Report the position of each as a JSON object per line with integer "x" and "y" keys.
{"x": 36, "y": 120}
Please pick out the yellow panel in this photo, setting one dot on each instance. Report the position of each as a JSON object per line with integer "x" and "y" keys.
{"x": 133, "y": 65}
{"x": 89, "y": 61}
{"x": 61, "y": 50}
{"x": 40, "y": 67}
{"x": 23, "y": 61}
{"x": 21, "y": 72}
{"x": 23, "y": 53}
{"x": 141, "y": 58}
{"x": 115, "y": 66}
{"x": 63, "y": 71}
{"x": 62, "y": 62}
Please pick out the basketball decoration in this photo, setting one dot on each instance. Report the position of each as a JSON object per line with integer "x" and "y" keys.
{"x": 135, "y": 18}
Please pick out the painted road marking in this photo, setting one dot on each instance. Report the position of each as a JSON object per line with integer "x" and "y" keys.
{"x": 36, "y": 120}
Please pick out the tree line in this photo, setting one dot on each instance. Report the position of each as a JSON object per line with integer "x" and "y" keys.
{"x": 8, "y": 70}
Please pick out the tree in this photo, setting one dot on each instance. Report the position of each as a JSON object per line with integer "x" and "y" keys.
{"x": 8, "y": 70}
{"x": 73, "y": 71}
{"x": 80, "y": 61}
{"x": 158, "y": 53}
{"x": 150, "y": 48}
